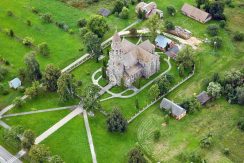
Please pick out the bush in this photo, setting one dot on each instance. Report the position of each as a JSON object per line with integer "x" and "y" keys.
{"x": 43, "y": 49}
{"x": 3, "y": 72}
{"x": 82, "y": 23}
{"x": 9, "y": 32}
{"x": 28, "y": 41}
{"x": 216, "y": 42}
{"x": 10, "y": 13}
{"x": 46, "y": 18}
{"x": 171, "y": 10}
{"x": 124, "y": 14}
{"x": 240, "y": 124}
{"x": 34, "y": 10}
{"x": 136, "y": 156}
{"x": 226, "y": 151}
{"x": 116, "y": 122}
{"x": 133, "y": 31}
{"x": 28, "y": 22}
{"x": 156, "y": 135}
{"x": 18, "y": 102}
{"x": 79, "y": 83}
{"x": 213, "y": 30}
{"x": 169, "y": 25}
{"x": 238, "y": 36}
{"x": 222, "y": 24}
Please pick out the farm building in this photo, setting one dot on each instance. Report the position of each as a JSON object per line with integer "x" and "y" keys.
{"x": 203, "y": 97}
{"x": 104, "y": 12}
{"x": 181, "y": 32}
{"x": 15, "y": 83}
{"x": 195, "y": 13}
{"x": 163, "y": 43}
{"x": 177, "y": 111}
{"x": 172, "y": 52}
{"x": 149, "y": 9}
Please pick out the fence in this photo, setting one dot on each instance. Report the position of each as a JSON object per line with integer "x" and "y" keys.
{"x": 160, "y": 97}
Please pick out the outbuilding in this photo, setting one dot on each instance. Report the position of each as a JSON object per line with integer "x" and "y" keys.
{"x": 177, "y": 111}
{"x": 163, "y": 43}
{"x": 203, "y": 97}
{"x": 15, "y": 83}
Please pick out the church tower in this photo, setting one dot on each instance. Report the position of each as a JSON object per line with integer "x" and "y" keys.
{"x": 115, "y": 68}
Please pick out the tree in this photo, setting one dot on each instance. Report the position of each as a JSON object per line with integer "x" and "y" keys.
{"x": 154, "y": 91}
{"x": 3, "y": 72}
{"x": 66, "y": 87}
{"x": 89, "y": 98}
{"x": 186, "y": 58}
{"x": 56, "y": 159}
{"x": 124, "y": 14}
{"x": 28, "y": 139}
{"x": 222, "y": 24}
{"x": 216, "y": 9}
{"x": 137, "y": 104}
{"x": 169, "y": 25}
{"x": 234, "y": 77}
{"x": 43, "y": 49}
{"x": 50, "y": 77}
{"x": 39, "y": 153}
{"x": 214, "y": 89}
{"x": 93, "y": 44}
{"x": 213, "y": 30}
{"x": 18, "y": 102}
{"x": 154, "y": 25}
{"x": 136, "y": 156}
{"x": 34, "y": 90}
{"x": 171, "y": 10}
{"x": 200, "y": 3}
{"x": 104, "y": 75}
{"x": 12, "y": 136}
{"x": 191, "y": 105}
{"x": 32, "y": 67}
{"x": 118, "y": 6}
{"x": 98, "y": 25}
{"x": 163, "y": 85}
{"x": 116, "y": 122}
{"x": 46, "y": 18}
{"x": 141, "y": 14}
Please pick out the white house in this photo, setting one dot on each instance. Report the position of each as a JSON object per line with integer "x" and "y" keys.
{"x": 15, "y": 83}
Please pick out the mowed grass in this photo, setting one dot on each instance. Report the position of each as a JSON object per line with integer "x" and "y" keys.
{"x": 185, "y": 135}
{"x": 70, "y": 142}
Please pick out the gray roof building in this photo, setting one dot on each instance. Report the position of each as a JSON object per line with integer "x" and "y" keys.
{"x": 104, "y": 12}
{"x": 203, "y": 97}
{"x": 177, "y": 111}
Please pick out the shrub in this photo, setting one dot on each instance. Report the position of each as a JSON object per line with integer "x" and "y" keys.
{"x": 133, "y": 31}
{"x": 3, "y": 72}
{"x": 171, "y": 10}
{"x": 18, "y": 102}
{"x": 226, "y": 151}
{"x": 46, "y": 18}
{"x": 216, "y": 42}
{"x": 124, "y": 14}
{"x": 28, "y": 41}
{"x": 238, "y": 36}
{"x": 79, "y": 83}
{"x": 136, "y": 156}
{"x": 71, "y": 31}
{"x": 9, "y": 32}
{"x": 169, "y": 25}
{"x": 156, "y": 135}
{"x": 213, "y": 30}
{"x": 28, "y": 22}
{"x": 240, "y": 124}
{"x": 214, "y": 89}
{"x": 43, "y": 49}
{"x": 34, "y": 10}
{"x": 222, "y": 24}
{"x": 10, "y": 13}
{"x": 82, "y": 23}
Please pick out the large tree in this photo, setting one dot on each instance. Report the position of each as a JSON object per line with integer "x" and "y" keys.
{"x": 186, "y": 58}
{"x": 136, "y": 156}
{"x": 154, "y": 25}
{"x": 93, "y": 44}
{"x": 66, "y": 87}
{"x": 34, "y": 90}
{"x": 98, "y": 25}
{"x": 50, "y": 77}
{"x": 12, "y": 136}
{"x": 154, "y": 91}
{"x": 116, "y": 122}
{"x": 28, "y": 139}
{"x": 32, "y": 67}
{"x": 89, "y": 98}
{"x": 163, "y": 84}
{"x": 216, "y": 9}
{"x": 214, "y": 89}
{"x": 39, "y": 153}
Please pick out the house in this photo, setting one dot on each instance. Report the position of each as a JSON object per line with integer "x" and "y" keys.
{"x": 195, "y": 13}
{"x": 203, "y": 97}
{"x": 15, "y": 83}
{"x": 129, "y": 62}
{"x": 163, "y": 43}
{"x": 5, "y": 156}
{"x": 172, "y": 52}
{"x": 104, "y": 12}
{"x": 181, "y": 32}
{"x": 177, "y": 111}
{"x": 149, "y": 9}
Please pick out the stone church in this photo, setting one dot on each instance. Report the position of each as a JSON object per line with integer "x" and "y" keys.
{"x": 128, "y": 62}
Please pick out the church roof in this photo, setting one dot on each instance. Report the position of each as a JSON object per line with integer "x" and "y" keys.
{"x": 147, "y": 45}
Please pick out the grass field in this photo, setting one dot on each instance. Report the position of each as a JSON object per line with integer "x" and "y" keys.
{"x": 70, "y": 142}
